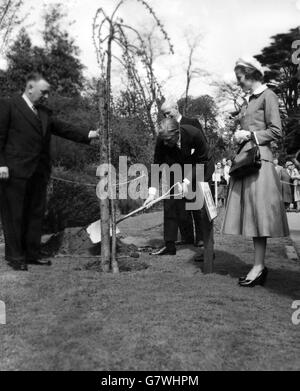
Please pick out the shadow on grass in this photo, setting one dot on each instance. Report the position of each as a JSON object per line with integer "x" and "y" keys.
{"x": 283, "y": 281}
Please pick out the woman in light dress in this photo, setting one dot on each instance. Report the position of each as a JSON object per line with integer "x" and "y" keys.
{"x": 255, "y": 207}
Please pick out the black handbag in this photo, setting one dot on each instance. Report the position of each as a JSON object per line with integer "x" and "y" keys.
{"x": 247, "y": 161}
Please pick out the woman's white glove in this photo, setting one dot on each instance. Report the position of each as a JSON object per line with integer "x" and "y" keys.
{"x": 151, "y": 197}
{"x": 149, "y": 200}
{"x": 4, "y": 173}
{"x": 183, "y": 188}
{"x": 242, "y": 135}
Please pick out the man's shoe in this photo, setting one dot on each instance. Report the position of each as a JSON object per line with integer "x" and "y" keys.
{"x": 38, "y": 262}
{"x": 200, "y": 243}
{"x": 164, "y": 251}
{"x": 18, "y": 265}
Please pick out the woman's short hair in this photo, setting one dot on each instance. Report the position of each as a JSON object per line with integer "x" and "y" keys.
{"x": 250, "y": 73}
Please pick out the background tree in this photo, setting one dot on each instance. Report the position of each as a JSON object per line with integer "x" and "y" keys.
{"x": 57, "y": 58}
{"x": 21, "y": 60}
{"x": 205, "y": 109}
{"x": 282, "y": 73}
{"x": 63, "y": 66}
{"x": 143, "y": 92}
{"x": 9, "y": 19}
{"x": 192, "y": 71}
{"x": 284, "y": 76}
{"x": 229, "y": 94}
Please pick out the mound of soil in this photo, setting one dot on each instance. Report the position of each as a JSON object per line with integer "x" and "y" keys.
{"x": 73, "y": 241}
{"x": 76, "y": 242}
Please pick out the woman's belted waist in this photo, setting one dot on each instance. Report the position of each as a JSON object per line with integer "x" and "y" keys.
{"x": 265, "y": 151}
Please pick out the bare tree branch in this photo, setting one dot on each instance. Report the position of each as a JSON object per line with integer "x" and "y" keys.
{"x": 9, "y": 19}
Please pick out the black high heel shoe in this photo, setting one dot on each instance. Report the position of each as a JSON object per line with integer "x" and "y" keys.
{"x": 259, "y": 280}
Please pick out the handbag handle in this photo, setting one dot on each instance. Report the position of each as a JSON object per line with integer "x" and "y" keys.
{"x": 253, "y": 139}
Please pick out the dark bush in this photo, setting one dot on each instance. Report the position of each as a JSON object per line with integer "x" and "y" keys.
{"x": 129, "y": 205}
{"x": 69, "y": 204}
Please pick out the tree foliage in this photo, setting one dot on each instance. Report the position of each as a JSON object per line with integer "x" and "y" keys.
{"x": 282, "y": 71}
{"x": 57, "y": 58}
{"x": 9, "y": 19}
{"x": 204, "y": 107}
{"x": 284, "y": 74}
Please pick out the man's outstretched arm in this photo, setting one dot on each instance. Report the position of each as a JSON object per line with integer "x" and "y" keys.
{"x": 72, "y": 132}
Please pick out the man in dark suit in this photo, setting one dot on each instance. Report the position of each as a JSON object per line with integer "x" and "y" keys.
{"x": 190, "y": 227}
{"x": 26, "y": 126}
{"x": 179, "y": 145}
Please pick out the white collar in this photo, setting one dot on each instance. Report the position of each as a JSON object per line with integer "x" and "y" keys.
{"x": 259, "y": 90}
{"x": 28, "y": 101}
{"x": 179, "y": 118}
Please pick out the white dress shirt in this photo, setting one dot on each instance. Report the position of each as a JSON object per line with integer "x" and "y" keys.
{"x": 30, "y": 104}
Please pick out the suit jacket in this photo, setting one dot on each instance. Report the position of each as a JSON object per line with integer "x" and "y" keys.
{"x": 25, "y": 138}
{"x": 194, "y": 150}
{"x": 193, "y": 122}
{"x": 262, "y": 117}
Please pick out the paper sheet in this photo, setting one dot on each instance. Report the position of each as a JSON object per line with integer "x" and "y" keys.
{"x": 94, "y": 232}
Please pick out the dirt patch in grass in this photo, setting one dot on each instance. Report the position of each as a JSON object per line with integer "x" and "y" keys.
{"x": 125, "y": 265}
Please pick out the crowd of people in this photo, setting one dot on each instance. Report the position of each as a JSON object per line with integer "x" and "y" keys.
{"x": 221, "y": 180}
{"x": 289, "y": 176}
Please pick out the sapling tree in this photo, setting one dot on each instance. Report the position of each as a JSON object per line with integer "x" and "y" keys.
{"x": 119, "y": 44}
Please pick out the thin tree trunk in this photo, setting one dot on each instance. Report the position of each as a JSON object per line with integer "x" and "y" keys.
{"x": 104, "y": 203}
{"x": 114, "y": 262}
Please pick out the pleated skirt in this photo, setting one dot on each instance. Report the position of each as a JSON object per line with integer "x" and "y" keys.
{"x": 255, "y": 207}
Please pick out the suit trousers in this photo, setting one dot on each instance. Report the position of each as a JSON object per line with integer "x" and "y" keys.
{"x": 175, "y": 215}
{"x": 22, "y": 208}
{"x": 191, "y": 226}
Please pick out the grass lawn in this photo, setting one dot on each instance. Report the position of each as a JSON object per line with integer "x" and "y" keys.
{"x": 167, "y": 317}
